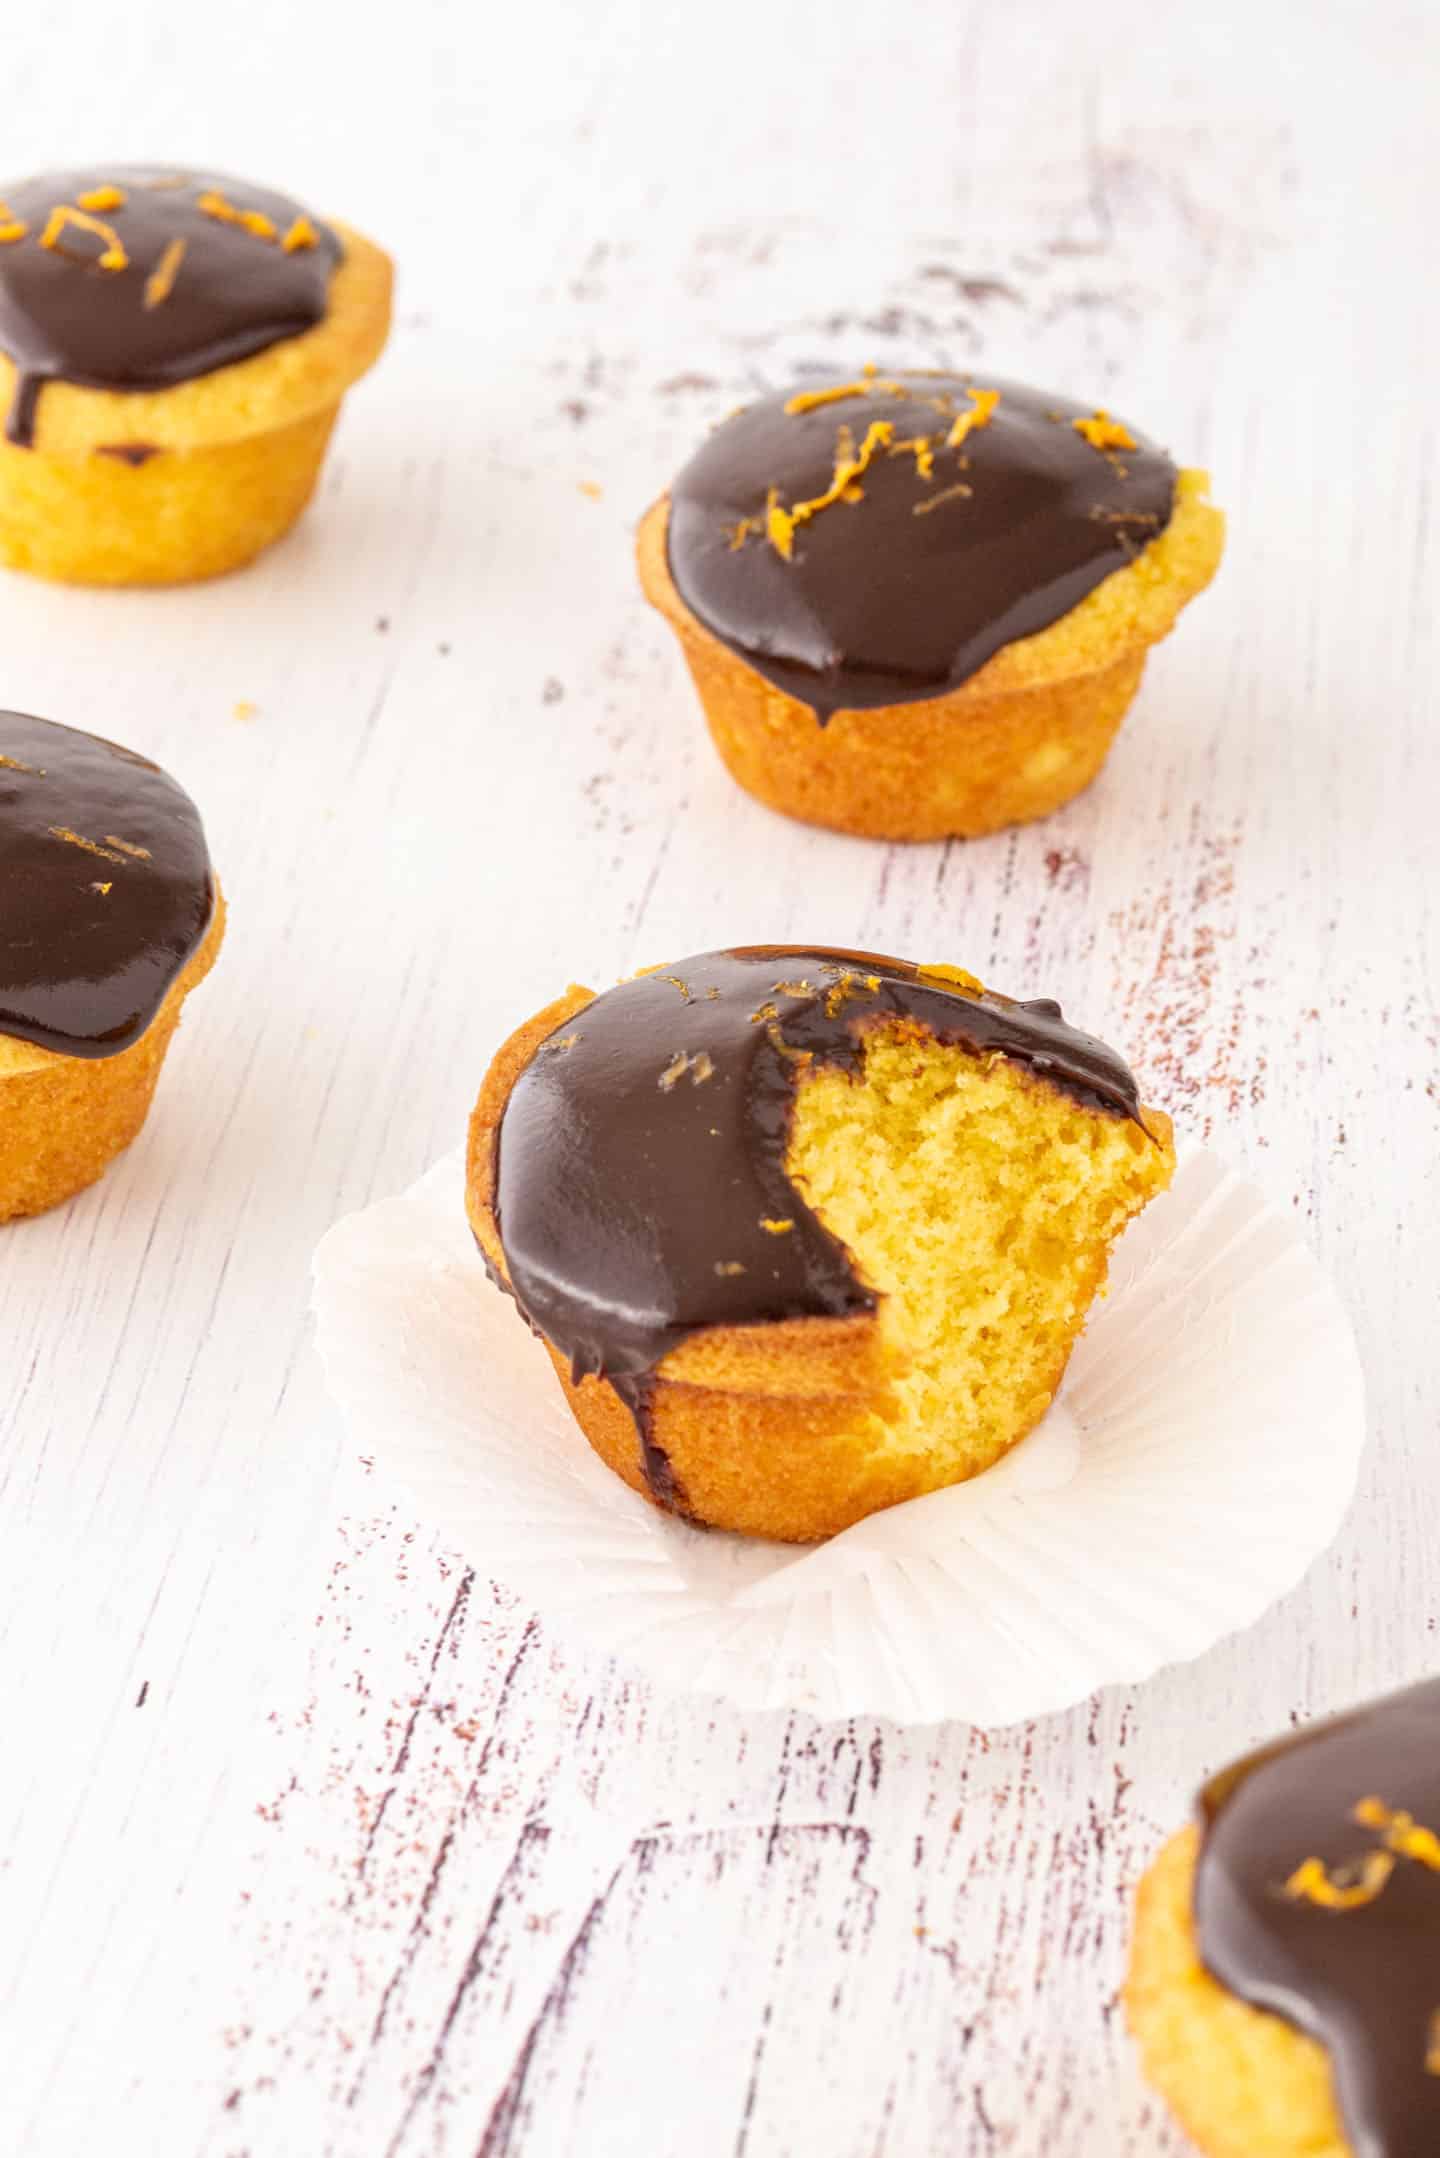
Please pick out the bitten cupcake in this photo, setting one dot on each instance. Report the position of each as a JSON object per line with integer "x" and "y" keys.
{"x": 174, "y": 347}
{"x": 1285, "y": 1981}
{"x": 917, "y": 606}
{"x": 806, "y": 1232}
{"x": 109, "y": 916}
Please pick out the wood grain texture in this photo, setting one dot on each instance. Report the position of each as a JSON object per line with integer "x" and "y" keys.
{"x": 309, "y": 1842}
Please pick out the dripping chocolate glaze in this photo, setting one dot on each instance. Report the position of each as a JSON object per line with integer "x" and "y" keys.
{"x": 229, "y": 292}
{"x": 642, "y": 1149}
{"x": 1365, "y": 1981}
{"x": 907, "y": 591}
{"x": 105, "y": 888}
{"x": 128, "y": 453}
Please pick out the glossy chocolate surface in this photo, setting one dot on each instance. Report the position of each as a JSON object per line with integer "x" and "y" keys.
{"x": 198, "y": 288}
{"x": 642, "y": 1150}
{"x": 1355, "y": 1963}
{"x": 105, "y": 888}
{"x": 933, "y": 558}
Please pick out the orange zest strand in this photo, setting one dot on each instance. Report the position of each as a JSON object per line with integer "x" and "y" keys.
{"x": 922, "y": 449}
{"x": 161, "y": 282}
{"x": 101, "y": 199}
{"x": 77, "y": 839}
{"x": 1347, "y": 1890}
{"x": 213, "y": 204}
{"x": 808, "y": 400}
{"x": 780, "y": 523}
{"x": 956, "y": 493}
{"x": 12, "y": 228}
{"x": 1402, "y": 1833}
{"x": 111, "y": 257}
{"x": 870, "y": 380}
{"x": 1103, "y": 433}
{"x": 982, "y": 411}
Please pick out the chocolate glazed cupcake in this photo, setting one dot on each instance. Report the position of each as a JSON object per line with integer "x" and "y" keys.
{"x": 173, "y": 351}
{"x": 806, "y": 1232}
{"x": 1285, "y": 1981}
{"x": 109, "y": 916}
{"x": 918, "y": 606}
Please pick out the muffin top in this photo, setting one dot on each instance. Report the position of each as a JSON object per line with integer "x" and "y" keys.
{"x": 875, "y": 542}
{"x": 105, "y": 888}
{"x": 641, "y": 1193}
{"x": 1318, "y": 1897}
{"x": 134, "y": 277}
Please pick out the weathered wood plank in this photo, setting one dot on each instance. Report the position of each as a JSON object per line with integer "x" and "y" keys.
{"x": 308, "y": 1841}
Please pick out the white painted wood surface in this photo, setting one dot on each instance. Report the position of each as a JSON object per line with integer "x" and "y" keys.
{"x": 309, "y": 1842}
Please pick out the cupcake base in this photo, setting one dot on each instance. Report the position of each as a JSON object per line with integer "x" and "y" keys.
{"x": 1242, "y": 2083}
{"x": 136, "y": 517}
{"x": 1025, "y": 734}
{"x": 64, "y": 1119}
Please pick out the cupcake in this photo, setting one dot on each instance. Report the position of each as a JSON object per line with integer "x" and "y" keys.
{"x": 109, "y": 916}
{"x": 173, "y": 351}
{"x": 917, "y": 606}
{"x": 1284, "y": 1986}
{"x": 805, "y": 1232}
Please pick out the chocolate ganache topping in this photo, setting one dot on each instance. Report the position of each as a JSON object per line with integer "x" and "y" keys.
{"x": 105, "y": 888}
{"x": 640, "y": 1185}
{"x": 1318, "y": 1897}
{"x": 136, "y": 278}
{"x": 875, "y": 542}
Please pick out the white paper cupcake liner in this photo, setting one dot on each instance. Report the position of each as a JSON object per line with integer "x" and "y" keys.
{"x": 1201, "y": 1454}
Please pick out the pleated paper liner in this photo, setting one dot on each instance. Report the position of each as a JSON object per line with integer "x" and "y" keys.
{"x": 1201, "y": 1454}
